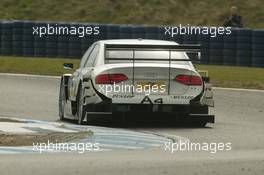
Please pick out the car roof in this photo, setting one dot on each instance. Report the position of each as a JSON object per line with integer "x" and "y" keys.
{"x": 138, "y": 42}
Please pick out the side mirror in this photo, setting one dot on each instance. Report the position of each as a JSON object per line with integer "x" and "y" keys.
{"x": 67, "y": 65}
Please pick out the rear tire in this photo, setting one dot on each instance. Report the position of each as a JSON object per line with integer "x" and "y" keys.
{"x": 81, "y": 112}
{"x": 62, "y": 101}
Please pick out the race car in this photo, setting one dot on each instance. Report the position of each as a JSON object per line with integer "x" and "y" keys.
{"x": 136, "y": 75}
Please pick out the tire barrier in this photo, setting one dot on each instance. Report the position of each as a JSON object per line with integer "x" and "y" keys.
{"x": 125, "y": 31}
{"x": 229, "y": 49}
{"x": 7, "y": 38}
{"x": 18, "y": 34}
{"x": 257, "y": 48}
{"x": 243, "y": 47}
{"x": 204, "y": 40}
{"x": 216, "y": 48}
{"x": 28, "y": 39}
{"x": 39, "y": 42}
{"x": 151, "y": 33}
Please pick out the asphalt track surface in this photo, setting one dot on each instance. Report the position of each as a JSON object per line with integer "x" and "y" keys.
{"x": 239, "y": 121}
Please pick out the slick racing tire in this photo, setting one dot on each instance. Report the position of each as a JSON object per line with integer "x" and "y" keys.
{"x": 80, "y": 107}
{"x": 62, "y": 101}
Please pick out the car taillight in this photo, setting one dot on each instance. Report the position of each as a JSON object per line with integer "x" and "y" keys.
{"x": 191, "y": 80}
{"x": 110, "y": 78}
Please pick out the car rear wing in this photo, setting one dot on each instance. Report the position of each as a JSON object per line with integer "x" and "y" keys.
{"x": 192, "y": 50}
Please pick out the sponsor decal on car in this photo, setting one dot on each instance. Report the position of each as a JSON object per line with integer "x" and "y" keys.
{"x": 123, "y": 96}
{"x": 179, "y": 97}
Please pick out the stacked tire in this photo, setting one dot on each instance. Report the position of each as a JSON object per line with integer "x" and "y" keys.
{"x": 112, "y": 31}
{"x": 162, "y": 35}
{"x": 75, "y": 46}
{"x": 18, "y": 28}
{"x": 52, "y": 43}
{"x": 216, "y": 49}
{"x": 204, "y": 41}
{"x": 229, "y": 50}
{"x": 7, "y": 38}
{"x": 258, "y": 48}
{"x": 103, "y": 32}
{"x": 40, "y": 41}
{"x": 138, "y": 32}
{"x": 244, "y": 47}
{"x": 28, "y": 39}
{"x": 63, "y": 42}
{"x": 125, "y": 32}
{"x": 151, "y": 33}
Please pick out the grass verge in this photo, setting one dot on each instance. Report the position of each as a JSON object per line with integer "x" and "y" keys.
{"x": 9, "y": 139}
{"x": 222, "y": 76}
{"x": 235, "y": 77}
{"x": 35, "y": 65}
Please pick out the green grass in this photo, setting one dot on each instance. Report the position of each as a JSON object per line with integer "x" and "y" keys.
{"x": 158, "y": 12}
{"x": 235, "y": 77}
{"x": 223, "y": 76}
{"x": 36, "y": 65}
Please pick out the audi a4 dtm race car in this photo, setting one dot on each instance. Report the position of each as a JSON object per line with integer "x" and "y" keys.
{"x": 136, "y": 75}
